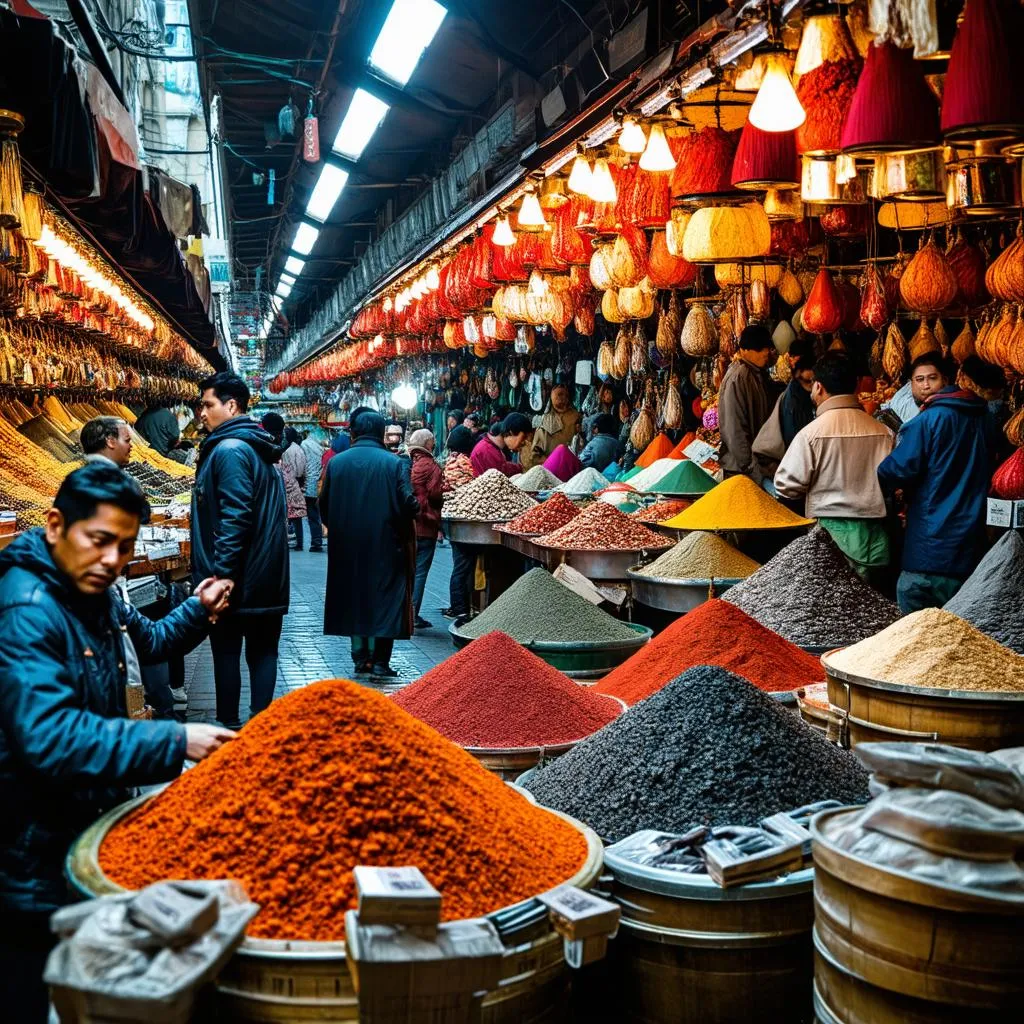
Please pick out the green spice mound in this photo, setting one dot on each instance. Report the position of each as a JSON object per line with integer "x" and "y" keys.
{"x": 701, "y": 556}
{"x": 685, "y": 478}
{"x": 538, "y": 607}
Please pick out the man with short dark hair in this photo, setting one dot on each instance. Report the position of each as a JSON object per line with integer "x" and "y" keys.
{"x": 491, "y": 451}
{"x": 240, "y": 534}
{"x": 603, "y": 448}
{"x": 159, "y": 426}
{"x": 745, "y": 401}
{"x": 69, "y": 649}
{"x": 942, "y": 463}
{"x": 107, "y": 439}
{"x": 833, "y": 464}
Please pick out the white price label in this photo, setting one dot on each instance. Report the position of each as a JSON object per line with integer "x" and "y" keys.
{"x": 700, "y": 452}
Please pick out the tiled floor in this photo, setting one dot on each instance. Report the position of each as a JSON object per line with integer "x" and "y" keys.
{"x": 307, "y": 655}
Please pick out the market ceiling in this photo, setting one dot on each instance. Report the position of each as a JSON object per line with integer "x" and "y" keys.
{"x": 451, "y": 93}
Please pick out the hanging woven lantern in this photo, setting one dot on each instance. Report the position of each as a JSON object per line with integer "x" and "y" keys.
{"x": 725, "y": 234}
{"x": 765, "y": 160}
{"x": 983, "y": 95}
{"x": 893, "y": 110}
{"x": 12, "y": 210}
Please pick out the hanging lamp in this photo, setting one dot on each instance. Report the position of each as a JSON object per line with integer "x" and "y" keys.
{"x": 776, "y": 107}
{"x": 602, "y": 185}
{"x": 530, "y": 216}
{"x": 503, "y": 233}
{"x": 765, "y": 160}
{"x": 893, "y": 110}
{"x": 657, "y": 155}
{"x": 824, "y": 38}
{"x": 632, "y": 138}
{"x": 581, "y": 176}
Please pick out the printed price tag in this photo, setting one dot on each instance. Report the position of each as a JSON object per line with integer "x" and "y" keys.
{"x": 396, "y": 895}
{"x": 700, "y": 451}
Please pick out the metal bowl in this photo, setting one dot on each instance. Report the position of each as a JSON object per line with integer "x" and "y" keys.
{"x": 682, "y": 595}
{"x": 472, "y": 531}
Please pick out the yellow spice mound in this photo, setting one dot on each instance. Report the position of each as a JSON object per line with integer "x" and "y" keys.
{"x": 736, "y": 504}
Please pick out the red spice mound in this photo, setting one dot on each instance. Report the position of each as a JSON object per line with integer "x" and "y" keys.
{"x": 659, "y": 448}
{"x": 660, "y": 511}
{"x": 331, "y": 776}
{"x": 602, "y": 527}
{"x": 549, "y": 515}
{"x": 496, "y": 694}
{"x": 684, "y": 442}
{"x": 713, "y": 634}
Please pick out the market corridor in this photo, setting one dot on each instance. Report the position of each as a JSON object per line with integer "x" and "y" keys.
{"x": 306, "y": 655}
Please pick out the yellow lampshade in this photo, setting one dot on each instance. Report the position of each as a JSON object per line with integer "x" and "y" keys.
{"x": 657, "y": 156}
{"x": 531, "y": 216}
{"x": 632, "y": 138}
{"x": 602, "y": 185}
{"x": 581, "y": 176}
{"x": 503, "y": 233}
{"x": 725, "y": 234}
{"x": 776, "y": 107}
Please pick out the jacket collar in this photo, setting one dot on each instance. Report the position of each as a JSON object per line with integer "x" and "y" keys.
{"x": 838, "y": 402}
{"x": 368, "y": 442}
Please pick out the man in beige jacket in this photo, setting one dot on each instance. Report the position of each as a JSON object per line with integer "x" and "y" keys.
{"x": 833, "y": 464}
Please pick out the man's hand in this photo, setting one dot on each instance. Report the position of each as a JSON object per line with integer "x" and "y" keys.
{"x": 213, "y": 594}
{"x": 203, "y": 740}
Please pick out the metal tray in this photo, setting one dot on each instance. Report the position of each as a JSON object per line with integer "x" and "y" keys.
{"x": 471, "y": 531}
{"x": 670, "y": 595}
{"x": 595, "y": 565}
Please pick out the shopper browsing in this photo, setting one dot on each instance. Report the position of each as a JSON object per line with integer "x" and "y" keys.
{"x": 239, "y": 534}
{"x": 603, "y": 448}
{"x": 493, "y": 451}
{"x": 744, "y": 403}
{"x": 314, "y": 452}
{"x": 559, "y": 425}
{"x": 428, "y": 486}
{"x": 68, "y": 649}
{"x": 107, "y": 439}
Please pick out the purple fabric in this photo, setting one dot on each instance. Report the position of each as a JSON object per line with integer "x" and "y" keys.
{"x": 487, "y": 455}
{"x": 563, "y": 463}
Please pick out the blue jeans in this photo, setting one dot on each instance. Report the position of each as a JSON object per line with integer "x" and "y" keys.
{"x": 460, "y": 588}
{"x": 425, "y": 547}
{"x": 917, "y": 590}
{"x": 316, "y": 530}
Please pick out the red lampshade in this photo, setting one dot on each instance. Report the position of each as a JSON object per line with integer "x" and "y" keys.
{"x": 765, "y": 160}
{"x": 983, "y": 96}
{"x": 893, "y": 109}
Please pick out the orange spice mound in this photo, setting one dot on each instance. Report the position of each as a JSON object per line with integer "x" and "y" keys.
{"x": 329, "y": 777}
{"x": 659, "y": 448}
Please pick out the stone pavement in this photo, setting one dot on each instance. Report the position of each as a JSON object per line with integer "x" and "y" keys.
{"x": 306, "y": 655}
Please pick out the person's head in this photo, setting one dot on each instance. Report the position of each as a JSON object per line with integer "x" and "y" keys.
{"x": 222, "y": 397}
{"x": 340, "y": 443}
{"x": 756, "y": 346}
{"x": 561, "y": 400}
{"x": 455, "y": 418}
{"x": 495, "y": 429}
{"x": 108, "y": 436}
{"x": 291, "y": 436}
{"x": 273, "y": 424}
{"x": 516, "y": 430}
{"x": 422, "y": 440}
{"x": 803, "y": 372}
{"x": 474, "y": 421}
{"x": 368, "y": 424}
{"x": 92, "y": 526}
{"x": 606, "y": 396}
{"x": 393, "y": 436}
{"x": 928, "y": 375}
{"x": 606, "y": 424}
{"x": 800, "y": 348}
{"x": 834, "y": 374}
{"x": 461, "y": 440}
{"x": 356, "y": 413}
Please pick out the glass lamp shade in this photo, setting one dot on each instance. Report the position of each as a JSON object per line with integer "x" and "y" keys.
{"x": 657, "y": 156}
{"x": 503, "y": 233}
{"x": 776, "y": 107}
{"x": 632, "y": 138}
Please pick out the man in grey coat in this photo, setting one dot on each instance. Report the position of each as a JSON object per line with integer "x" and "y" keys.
{"x": 745, "y": 402}
{"x": 314, "y": 452}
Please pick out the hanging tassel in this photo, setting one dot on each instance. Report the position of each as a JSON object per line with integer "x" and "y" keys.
{"x": 32, "y": 221}
{"x": 12, "y": 209}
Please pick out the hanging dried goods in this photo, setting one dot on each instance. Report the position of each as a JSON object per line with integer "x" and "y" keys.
{"x": 637, "y": 303}
{"x": 612, "y": 313}
{"x": 699, "y": 336}
{"x": 874, "y": 310}
{"x": 1014, "y": 428}
{"x": 729, "y": 275}
{"x": 790, "y": 290}
{"x": 928, "y": 284}
{"x": 673, "y": 405}
{"x": 644, "y": 427}
{"x": 638, "y": 352}
{"x": 628, "y": 260}
{"x": 923, "y": 341}
{"x": 620, "y": 364}
{"x": 826, "y": 93}
{"x": 894, "y": 355}
{"x": 1004, "y": 279}
{"x": 1008, "y": 479}
{"x": 967, "y": 262}
{"x": 666, "y": 270}
{"x": 760, "y": 300}
{"x": 823, "y": 312}
{"x": 963, "y": 347}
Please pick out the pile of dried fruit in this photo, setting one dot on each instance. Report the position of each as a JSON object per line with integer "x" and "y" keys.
{"x": 488, "y": 497}
{"x": 550, "y": 515}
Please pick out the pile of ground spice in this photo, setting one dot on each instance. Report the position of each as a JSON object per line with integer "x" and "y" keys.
{"x": 714, "y": 633}
{"x": 809, "y": 594}
{"x": 586, "y": 481}
{"x": 536, "y": 478}
{"x": 736, "y": 504}
{"x": 496, "y": 694}
{"x": 489, "y": 497}
{"x": 685, "y": 477}
{"x": 701, "y": 556}
{"x": 328, "y": 777}
{"x": 707, "y": 749}
{"x": 659, "y": 448}
{"x": 538, "y": 607}
{"x": 563, "y": 463}
{"x": 645, "y": 479}
{"x": 934, "y": 648}
{"x": 660, "y": 511}
{"x": 684, "y": 442}
{"x": 991, "y": 599}
{"x": 602, "y": 527}
{"x": 543, "y": 518}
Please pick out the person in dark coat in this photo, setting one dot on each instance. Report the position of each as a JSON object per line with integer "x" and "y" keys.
{"x": 369, "y": 508}
{"x": 69, "y": 647}
{"x": 340, "y": 443}
{"x": 240, "y": 534}
{"x": 942, "y": 463}
{"x": 796, "y": 410}
{"x": 603, "y": 448}
{"x": 427, "y": 479}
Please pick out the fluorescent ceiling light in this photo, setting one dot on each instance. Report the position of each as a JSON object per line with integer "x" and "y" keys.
{"x": 287, "y": 279}
{"x": 407, "y": 32}
{"x": 283, "y": 290}
{"x": 365, "y": 114}
{"x": 305, "y": 238}
{"x": 293, "y": 265}
{"x": 326, "y": 191}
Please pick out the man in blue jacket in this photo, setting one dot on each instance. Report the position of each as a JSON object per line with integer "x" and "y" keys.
{"x": 69, "y": 647}
{"x": 942, "y": 463}
{"x": 240, "y": 534}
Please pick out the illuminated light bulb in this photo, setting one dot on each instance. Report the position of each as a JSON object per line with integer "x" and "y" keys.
{"x": 776, "y": 107}
{"x": 388, "y": 304}
{"x": 503, "y": 233}
{"x": 657, "y": 156}
{"x": 416, "y": 290}
{"x": 433, "y": 279}
{"x": 538, "y": 285}
{"x": 531, "y": 216}
{"x": 602, "y": 185}
{"x": 581, "y": 176}
{"x": 632, "y": 138}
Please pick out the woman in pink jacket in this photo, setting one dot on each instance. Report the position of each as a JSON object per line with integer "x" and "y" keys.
{"x": 490, "y": 451}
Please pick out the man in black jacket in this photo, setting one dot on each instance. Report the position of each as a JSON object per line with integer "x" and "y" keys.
{"x": 240, "y": 534}
{"x": 68, "y": 649}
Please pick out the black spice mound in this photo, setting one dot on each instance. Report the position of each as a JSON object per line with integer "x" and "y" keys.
{"x": 707, "y": 749}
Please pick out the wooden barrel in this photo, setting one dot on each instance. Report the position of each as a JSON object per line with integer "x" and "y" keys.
{"x": 936, "y": 943}
{"x": 872, "y": 710}
{"x": 690, "y": 951}
{"x": 270, "y": 981}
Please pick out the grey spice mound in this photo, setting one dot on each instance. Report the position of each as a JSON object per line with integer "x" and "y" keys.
{"x": 992, "y": 599}
{"x": 809, "y": 594}
{"x": 538, "y": 607}
{"x": 707, "y": 749}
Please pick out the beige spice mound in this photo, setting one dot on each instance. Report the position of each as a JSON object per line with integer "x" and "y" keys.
{"x": 934, "y": 648}
{"x": 701, "y": 556}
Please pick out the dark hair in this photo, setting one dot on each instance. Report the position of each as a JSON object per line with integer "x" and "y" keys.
{"x": 291, "y": 435}
{"x": 456, "y": 414}
{"x": 93, "y": 437}
{"x": 985, "y": 375}
{"x": 368, "y": 424}
{"x": 226, "y": 386}
{"x": 800, "y": 348}
{"x": 356, "y": 413}
{"x": 99, "y": 483}
{"x": 804, "y": 362}
{"x": 494, "y": 429}
{"x": 936, "y": 359}
{"x": 755, "y": 338}
{"x": 474, "y": 418}
{"x": 516, "y": 423}
{"x": 836, "y": 373}
{"x": 273, "y": 423}
{"x": 606, "y": 423}
{"x": 461, "y": 440}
